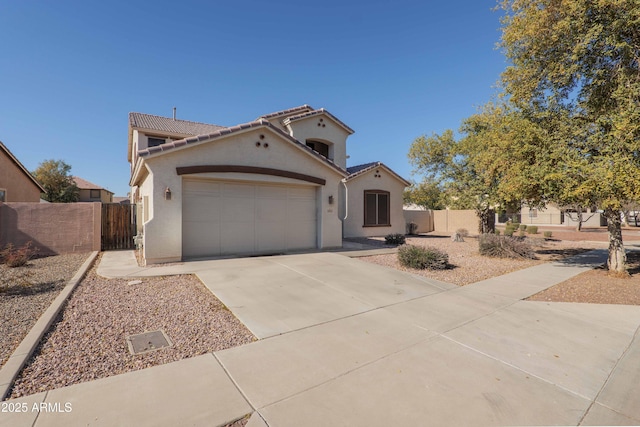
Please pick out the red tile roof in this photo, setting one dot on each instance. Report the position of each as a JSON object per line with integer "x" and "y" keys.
{"x": 83, "y": 184}
{"x": 355, "y": 171}
{"x": 167, "y": 124}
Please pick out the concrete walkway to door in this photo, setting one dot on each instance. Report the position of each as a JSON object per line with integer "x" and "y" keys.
{"x": 350, "y": 343}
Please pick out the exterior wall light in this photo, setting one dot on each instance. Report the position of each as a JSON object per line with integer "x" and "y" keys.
{"x": 331, "y": 199}
{"x": 167, "y": 194}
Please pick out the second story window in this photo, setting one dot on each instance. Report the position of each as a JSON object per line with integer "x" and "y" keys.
{"x": 153, "y": 142}
{"x": 320, "y": 147}
{"x": 94, "y": 194}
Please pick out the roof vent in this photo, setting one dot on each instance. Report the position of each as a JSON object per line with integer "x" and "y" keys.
{"x": 174, "y": 113}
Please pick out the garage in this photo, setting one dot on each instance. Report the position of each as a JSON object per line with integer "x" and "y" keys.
{"x": 244, "y": 218}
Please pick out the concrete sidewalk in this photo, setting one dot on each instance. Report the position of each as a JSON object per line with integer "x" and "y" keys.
{"x": 349, "y": 343}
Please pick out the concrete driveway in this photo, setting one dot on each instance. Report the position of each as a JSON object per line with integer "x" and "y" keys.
{"x": 349, "y": 343}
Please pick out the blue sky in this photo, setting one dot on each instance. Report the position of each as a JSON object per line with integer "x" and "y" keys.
{"x": 71, "y": 71}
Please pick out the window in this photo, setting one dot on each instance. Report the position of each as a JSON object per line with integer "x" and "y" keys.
{"x": 94, "y": 194}
{"x": 320, "y": 147}
{"x": 153, "y": 142}
{"x": 3, "y": 195}
{"x": 533, "y": 213}
{"x": 376, "y": 208}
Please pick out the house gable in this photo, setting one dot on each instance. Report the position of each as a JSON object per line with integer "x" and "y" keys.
{"x": 16, "y": 183}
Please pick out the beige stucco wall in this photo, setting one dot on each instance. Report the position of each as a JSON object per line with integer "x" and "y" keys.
{"x": 423, "y": 218}
{"x": 55, "y": 228}
{"x": 163, "y": 229}
{"x": 354, "y": 224}
{"x": 331, "y": 134}
{"x": 18, "y": 186}
{"x": 448, "y": 221}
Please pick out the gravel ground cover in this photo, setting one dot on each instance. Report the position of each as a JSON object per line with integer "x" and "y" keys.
{"x": 597, "y": 286}
{"x": 468, "y": 265}
{"x": 89, "y": 340}
{"x": 26, "y": 292}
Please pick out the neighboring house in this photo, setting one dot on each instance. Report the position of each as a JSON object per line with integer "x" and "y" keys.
{"x": 16, "y": 183}
{"x": 553, "y": 215}
{"x": 273, "y": 185}
{"x": 90, "y": 192}
{"x": 121, "y": 200}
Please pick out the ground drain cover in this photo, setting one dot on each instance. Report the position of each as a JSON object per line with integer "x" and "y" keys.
{"x": 149, "y": 341}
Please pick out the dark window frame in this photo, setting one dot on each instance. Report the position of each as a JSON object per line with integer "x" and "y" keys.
{"x": 375, "y": 222}
{"x": 92, "y": 192}
{"x": 3, "y": 193}
{"x": 156, "y": 141}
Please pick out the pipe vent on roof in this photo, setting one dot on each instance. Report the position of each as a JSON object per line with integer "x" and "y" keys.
{"x": 174, "y": 113}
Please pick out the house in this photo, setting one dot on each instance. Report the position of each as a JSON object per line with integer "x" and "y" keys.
{"x": 552, "y": 214}
{"x": 16, "y": 183}
{"x": 90, "y": 192}
{"x": 277, "y": 184}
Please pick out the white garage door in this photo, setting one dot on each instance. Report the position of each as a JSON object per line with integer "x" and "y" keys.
{"x": 226, "y": 218}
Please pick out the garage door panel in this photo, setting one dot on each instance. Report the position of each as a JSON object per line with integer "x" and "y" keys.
{"x": 221, "y": 218}
{"x": 271, "y": 236}
{"x": 237, "y": 238}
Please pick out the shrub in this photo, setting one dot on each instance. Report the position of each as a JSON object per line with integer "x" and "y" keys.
{"x": 462, "y": 232}
{"x": 521, "y": 233}
{"x": 505, "y": 247}
{"x": 17, "y": 257}
{"x": 395, "y": 239}
{"x": 516, "y": 225}
{"x": 497, "y": 232}
{"x": 548, "y": 234}
{"x": 532, "y": 229}
{"x": 508, "y": 231}
{"x": 421, "y": 257}
{"x": 523, "y": 227}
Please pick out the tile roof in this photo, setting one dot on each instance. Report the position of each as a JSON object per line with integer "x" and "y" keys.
{"x": 233, "y": 129}
{"x": 299, "y": 109}
{"x": 167, "y": 124}
{"x": 355, "y": 171}
{"x": 83, "y": 184}
{"x": 21, "y": 166}
{"x": 315, "y": 113}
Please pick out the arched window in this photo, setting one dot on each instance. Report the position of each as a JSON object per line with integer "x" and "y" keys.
{"x": 320, "y": 147}
{"x": 376, "y": 208}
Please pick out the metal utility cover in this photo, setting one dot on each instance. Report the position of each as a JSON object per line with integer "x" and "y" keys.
{"x": 148, "y": 341}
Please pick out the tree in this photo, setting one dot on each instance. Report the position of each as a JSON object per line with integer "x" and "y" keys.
{"x": 451, "y": 165}
{"x": 54, "y": 176}
{"x": 427, "y": 195}
{"x": 575, "y": 76}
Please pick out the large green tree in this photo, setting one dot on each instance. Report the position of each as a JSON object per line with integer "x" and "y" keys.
{"x": 575, "y": 79}
{"x": 55, "y": 177}
{"x": 426, "y": 194}
{"x": 451, "y": 164}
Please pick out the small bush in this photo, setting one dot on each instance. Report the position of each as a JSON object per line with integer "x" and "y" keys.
{"x": 532, "y": 229}
{"x": 516, "y": 225}
{"x": 548, "y": 234}
{"x": 521, "y": 233}
{"x": 395, "y": 239}
{"x": 17, "y": 257}
{"x": 508, "y": 232}
{"x": 462, "y": 232}
{"x": 497, "y": 232}
{"x": 523, "y": 227}
{"x": 421, "y": 257}
{"x": 505, "y": 247}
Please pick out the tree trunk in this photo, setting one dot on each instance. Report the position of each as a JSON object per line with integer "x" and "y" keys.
{"x": 487, "y": 220}
{"x": 617, "y": 261}
{"x": 579, "y": 226}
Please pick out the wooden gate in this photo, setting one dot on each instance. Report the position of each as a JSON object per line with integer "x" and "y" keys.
{"x": 118, "y": 226}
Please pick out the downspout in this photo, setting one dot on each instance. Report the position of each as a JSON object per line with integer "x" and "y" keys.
{"x": 346, "y": 203}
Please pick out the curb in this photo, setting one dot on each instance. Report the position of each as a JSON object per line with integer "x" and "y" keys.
{"x": 21, "y": 355}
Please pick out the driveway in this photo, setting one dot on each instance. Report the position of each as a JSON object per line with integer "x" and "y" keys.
{"x": 345, "y": 342}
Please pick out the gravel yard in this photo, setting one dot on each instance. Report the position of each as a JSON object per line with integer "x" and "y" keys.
{"x": 468, "y": 265}
{"x": 89, "y": 343}
{"x": 26, "y": 292}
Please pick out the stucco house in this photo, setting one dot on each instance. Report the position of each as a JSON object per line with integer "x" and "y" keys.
{"x": 277, "y": 184}
{"x": 90, "y": 192}
{"x": 16, "y": 183}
